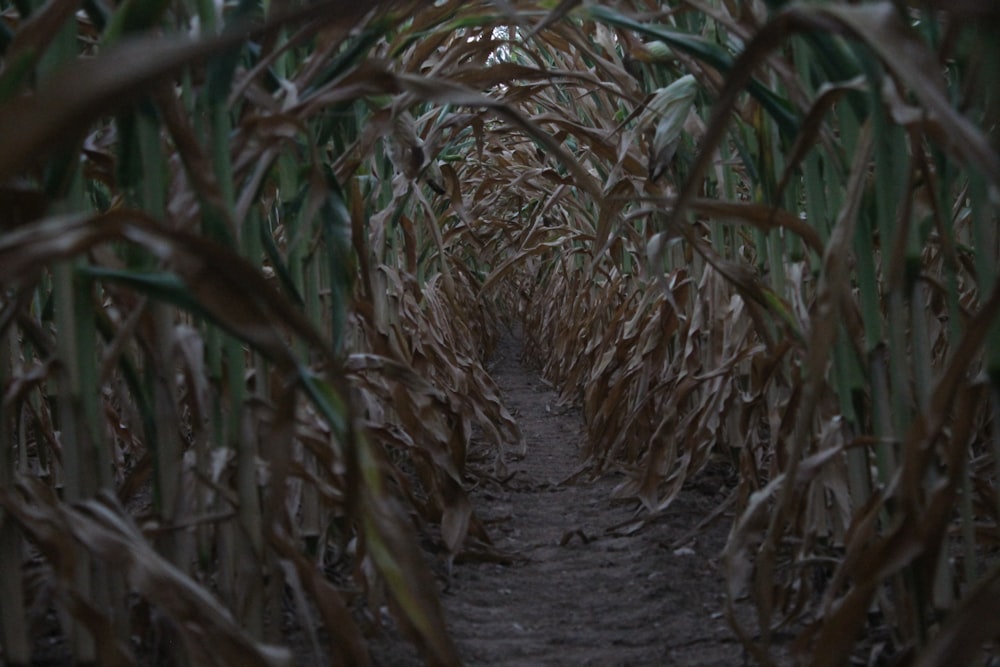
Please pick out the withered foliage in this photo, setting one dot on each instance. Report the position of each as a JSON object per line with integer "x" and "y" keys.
{"x": 255, "y": 255}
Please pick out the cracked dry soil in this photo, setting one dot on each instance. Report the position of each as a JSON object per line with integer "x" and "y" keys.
{"x": 583, "y": 588}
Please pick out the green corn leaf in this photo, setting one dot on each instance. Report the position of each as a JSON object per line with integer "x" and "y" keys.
{"x": 161, "y": 285}
{"x": 669, "y": 108}
{"x": 135, "y": 16}
{"x": 327, "y": 400}
{"x": 710, "y": 53}
{"x": 280, "y": 267}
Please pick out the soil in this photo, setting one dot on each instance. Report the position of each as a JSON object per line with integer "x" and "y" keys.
{"x": 589, "y": 584}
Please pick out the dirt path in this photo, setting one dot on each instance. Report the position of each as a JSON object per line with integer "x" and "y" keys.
{"x": 585, "y": 592}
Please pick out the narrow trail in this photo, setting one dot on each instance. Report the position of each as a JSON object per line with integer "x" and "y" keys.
{"x": 582, "y": 591}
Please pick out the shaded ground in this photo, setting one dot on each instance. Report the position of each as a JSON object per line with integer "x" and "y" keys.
{"x": 587, "y": 591}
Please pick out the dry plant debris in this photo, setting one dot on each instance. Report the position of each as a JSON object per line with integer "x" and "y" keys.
{"x": 254, "y": 257}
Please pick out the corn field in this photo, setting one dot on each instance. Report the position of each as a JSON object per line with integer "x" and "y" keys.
{"x": 254, "y": 257}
